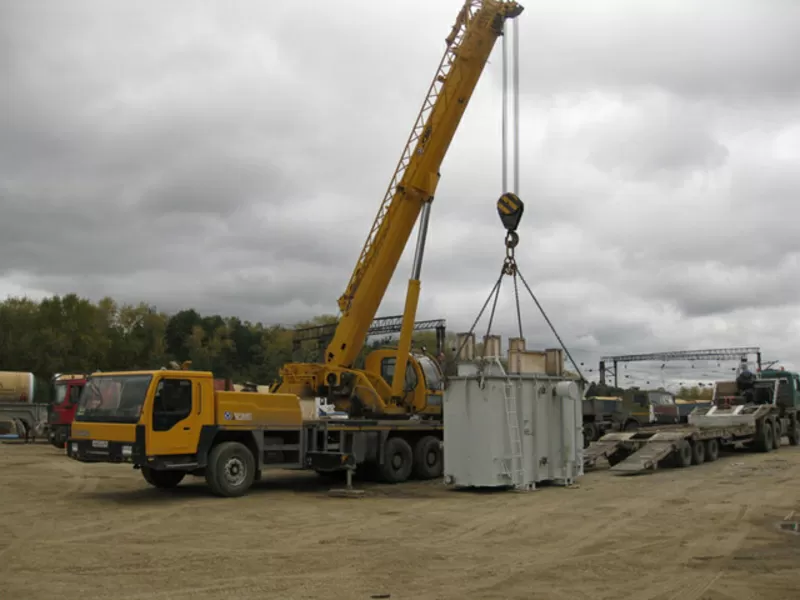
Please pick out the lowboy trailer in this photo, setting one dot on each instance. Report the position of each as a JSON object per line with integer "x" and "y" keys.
{"x": 755, "y": 413}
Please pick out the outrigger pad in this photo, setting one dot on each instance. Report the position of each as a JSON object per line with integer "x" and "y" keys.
{"x": 510, "y": 208}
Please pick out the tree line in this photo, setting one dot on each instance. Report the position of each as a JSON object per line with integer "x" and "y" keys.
{"x": 67, "y": 334}
{"x": 694, "y": 392}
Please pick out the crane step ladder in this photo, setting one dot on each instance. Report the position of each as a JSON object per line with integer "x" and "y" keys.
{"x": 513, "y": 465}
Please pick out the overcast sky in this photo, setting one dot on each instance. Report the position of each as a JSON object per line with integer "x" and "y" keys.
{"x": 231, "y": 157}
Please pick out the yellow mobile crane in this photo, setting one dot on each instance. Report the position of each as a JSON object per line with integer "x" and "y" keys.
{"x": 172, "y": 422}
{"x": 385, "y": 387}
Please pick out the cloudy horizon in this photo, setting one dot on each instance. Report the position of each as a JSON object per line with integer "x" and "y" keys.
{"x": 231, "y": 158}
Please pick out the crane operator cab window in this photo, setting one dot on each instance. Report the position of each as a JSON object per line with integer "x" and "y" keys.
{"x": 172, "y": 403}
{"x": 433, "y": 375}
{"x": 387, "y": 372}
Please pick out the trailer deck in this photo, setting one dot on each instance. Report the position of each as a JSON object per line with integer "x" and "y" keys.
{"x": 630, "y": 452}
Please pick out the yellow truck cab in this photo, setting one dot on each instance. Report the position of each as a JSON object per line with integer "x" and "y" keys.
{"x": 170, "y": 423}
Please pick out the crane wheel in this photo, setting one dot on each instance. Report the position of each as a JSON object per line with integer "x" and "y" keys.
{"x": 428, "y": 458}
{"x": 162, "y": 479}
{"x": 712, "y": 450}
{"x": 231, "y": 469}
{"x": 398, "y": 460}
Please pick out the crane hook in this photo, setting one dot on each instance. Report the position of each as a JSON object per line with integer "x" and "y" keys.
{"x": 510, "y": 209}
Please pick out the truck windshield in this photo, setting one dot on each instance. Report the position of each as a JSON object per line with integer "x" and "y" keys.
{"x": 661, "y": 398}
{"x": 113, "y": 398}
{"x": 60, "y": 393}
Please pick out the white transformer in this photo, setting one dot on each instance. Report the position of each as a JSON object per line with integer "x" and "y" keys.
{"x": 512, "y": 430}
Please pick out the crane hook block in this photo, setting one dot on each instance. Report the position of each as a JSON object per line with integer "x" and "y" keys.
{"x": 510, "y": 208}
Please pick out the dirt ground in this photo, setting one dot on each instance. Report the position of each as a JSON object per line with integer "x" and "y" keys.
{"x": 73, "y": 531}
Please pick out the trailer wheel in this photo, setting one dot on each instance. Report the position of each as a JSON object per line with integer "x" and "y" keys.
{"x": 764, "y": 442}
{"x": 631, "y": 425}
{"x": 712, "y": 450}
{"x": 589, "y": 434}
{"x": 428, "y": 458}
{"x": 231, "y": 469}
{"x": 398, "y": 460}
{"x": 683, "y": 455}
{"x": 162, "y": 479}
{"x": 698, "y": 452}
{"x": 794, "y": 431}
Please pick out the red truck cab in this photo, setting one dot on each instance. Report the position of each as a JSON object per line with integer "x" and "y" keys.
{"x": 66, "y": 391}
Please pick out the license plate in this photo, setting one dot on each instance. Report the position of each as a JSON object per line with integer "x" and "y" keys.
{"x": 99, "y": 444}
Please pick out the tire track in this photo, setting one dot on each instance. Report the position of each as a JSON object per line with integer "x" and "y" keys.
{"x": 694, "y": 586}
{"x": 25, "y": 527}
{"x": 513, "y": 571}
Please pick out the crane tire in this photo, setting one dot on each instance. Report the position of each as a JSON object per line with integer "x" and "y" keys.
{"x": 776, "y": 435}
{"x": 231, "y": 469}
{"x": 398, "y": 460}
{"x": 162, "y": 479}
{"x": 428, "y": 458}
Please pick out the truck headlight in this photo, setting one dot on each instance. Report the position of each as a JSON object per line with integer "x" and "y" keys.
{"x": 74, "y": 447}
{"x": 127, "y": 451}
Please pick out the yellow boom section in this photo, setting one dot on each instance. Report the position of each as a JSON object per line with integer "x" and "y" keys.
{"x": 469, "y": 46}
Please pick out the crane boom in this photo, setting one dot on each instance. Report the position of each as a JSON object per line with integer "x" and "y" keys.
{"x": 469, "y": 45}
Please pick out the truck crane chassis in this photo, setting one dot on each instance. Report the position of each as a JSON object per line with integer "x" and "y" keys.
{"x": 395, "y": 451}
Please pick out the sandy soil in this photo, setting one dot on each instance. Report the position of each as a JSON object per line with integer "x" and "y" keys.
{"x": 73, "y": 531}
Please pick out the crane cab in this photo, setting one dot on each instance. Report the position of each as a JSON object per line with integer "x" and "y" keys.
{"x": 424, "y": 381}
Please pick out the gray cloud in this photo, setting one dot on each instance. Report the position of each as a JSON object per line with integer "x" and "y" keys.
{"x": 232, "y": 158}
{"x": 736, "y": 51}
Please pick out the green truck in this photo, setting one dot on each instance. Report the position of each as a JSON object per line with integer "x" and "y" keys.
{"x": 631, "y": 410}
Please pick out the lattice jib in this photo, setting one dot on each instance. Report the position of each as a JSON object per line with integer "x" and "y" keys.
{"x": 415, "y": 143}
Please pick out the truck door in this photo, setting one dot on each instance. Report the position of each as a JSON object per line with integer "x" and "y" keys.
{"x": 174, "y": 419}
